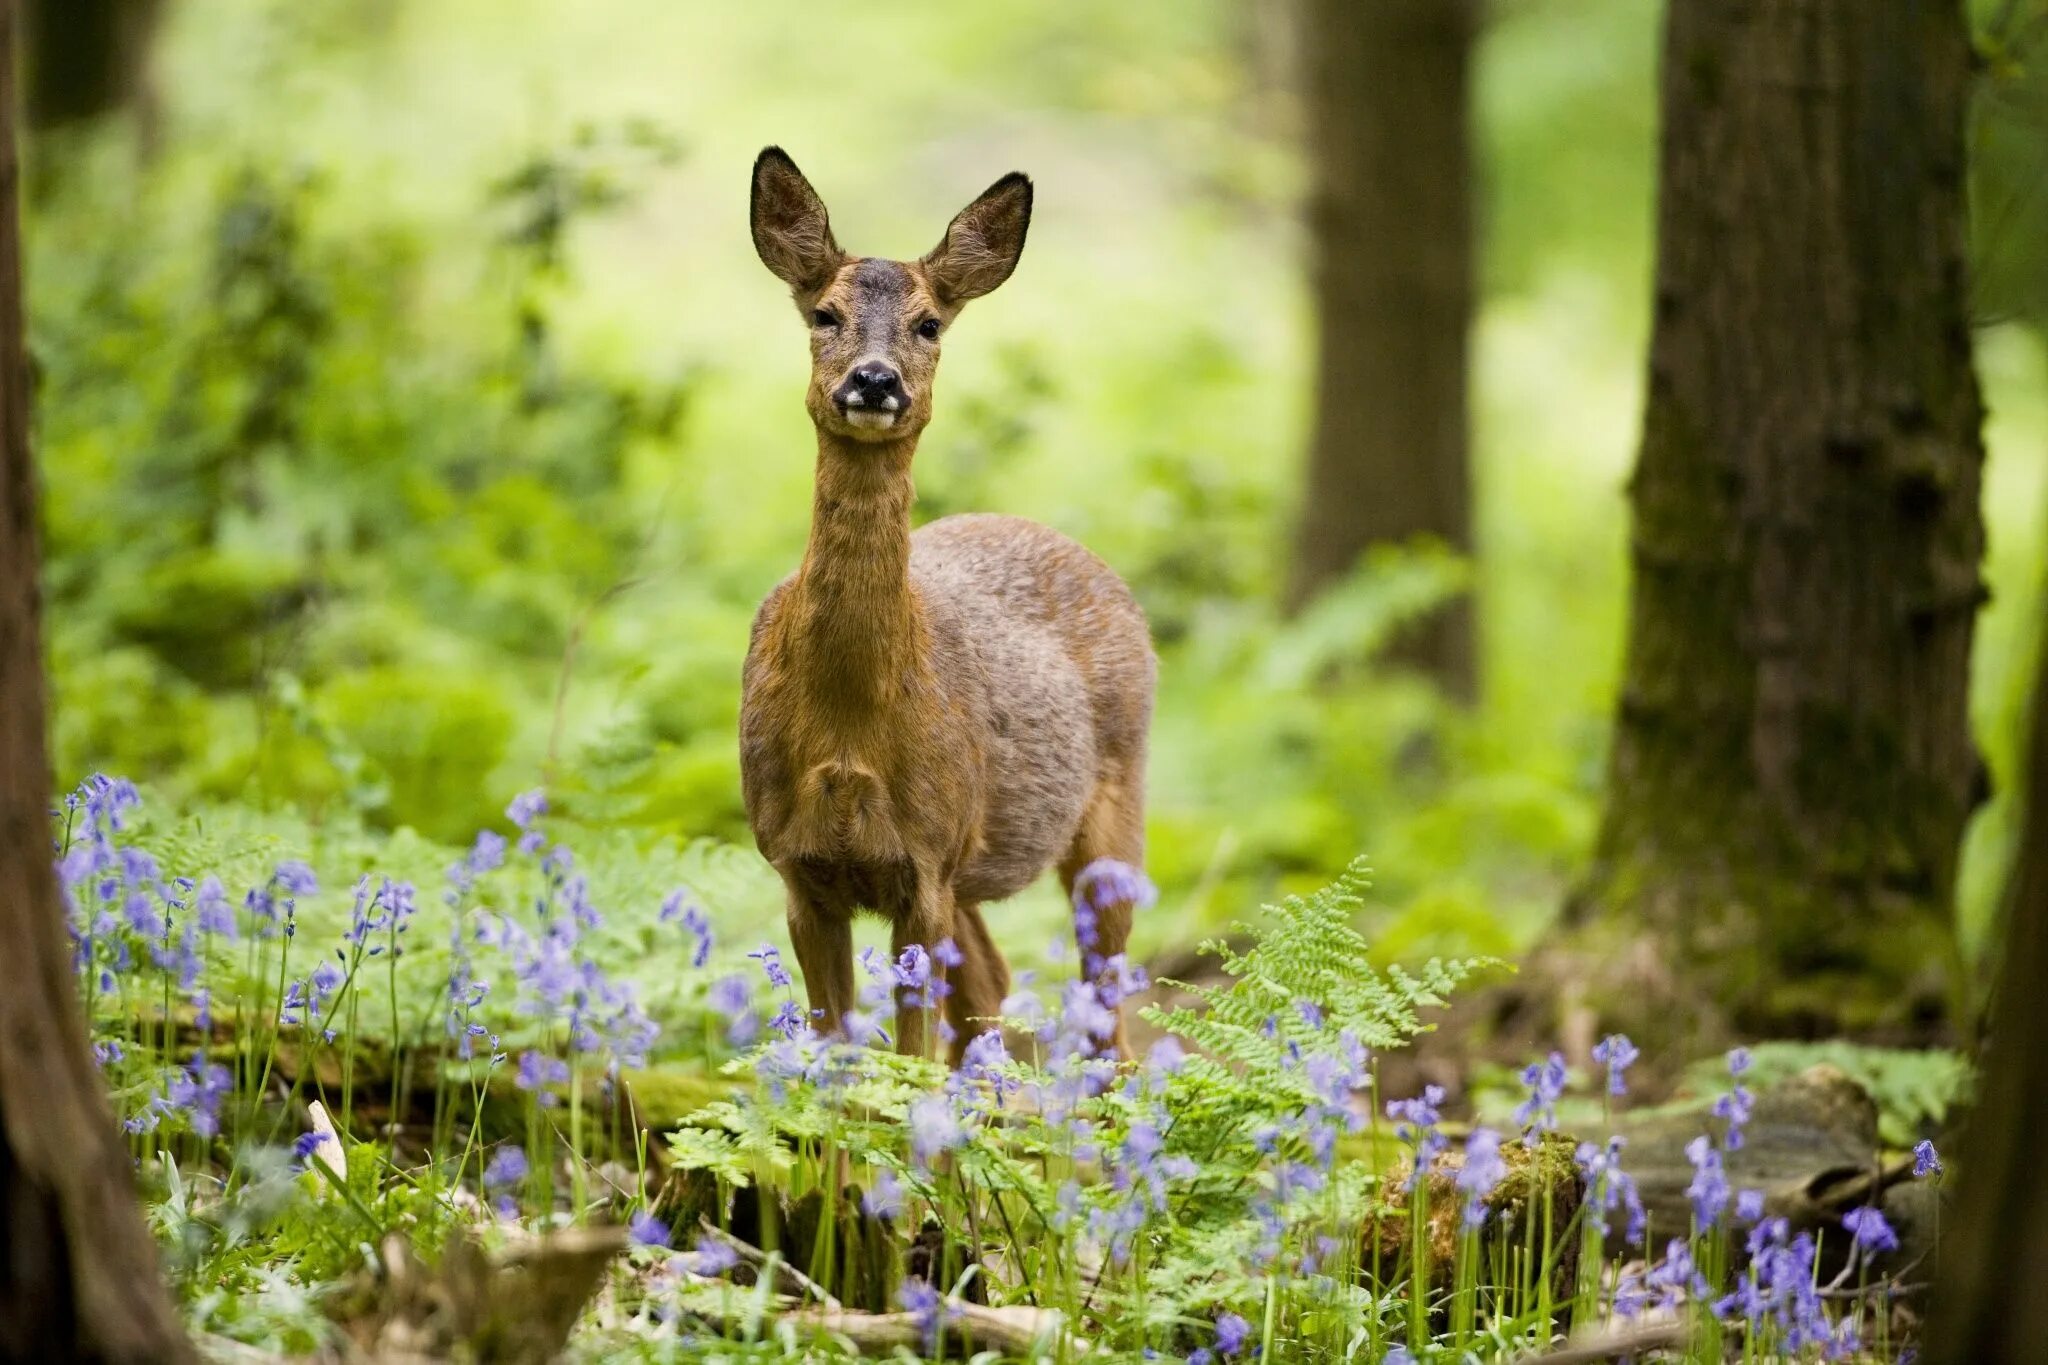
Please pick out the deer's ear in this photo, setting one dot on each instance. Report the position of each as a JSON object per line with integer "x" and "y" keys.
{"x": 982, "y": 243}
{"x": 791, "y": 230}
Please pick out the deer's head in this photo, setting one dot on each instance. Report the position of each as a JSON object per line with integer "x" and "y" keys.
{"x": 876, "y": 324}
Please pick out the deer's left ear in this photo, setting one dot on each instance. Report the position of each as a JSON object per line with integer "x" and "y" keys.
{"x": 982, "y": 243}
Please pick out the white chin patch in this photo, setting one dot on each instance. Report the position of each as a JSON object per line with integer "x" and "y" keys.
{"x": 869, "y": 420}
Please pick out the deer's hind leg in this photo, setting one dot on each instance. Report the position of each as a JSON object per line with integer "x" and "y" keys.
{"x": 1112, "y": 826}
{"x": 979, "y": 983}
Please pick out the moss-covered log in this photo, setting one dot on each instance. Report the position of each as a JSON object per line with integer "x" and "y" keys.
{"x": 1792, "y": 765}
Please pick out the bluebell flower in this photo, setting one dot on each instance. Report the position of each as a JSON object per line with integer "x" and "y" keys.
{"x": 1926, "y": 1161}
{"x": 1749, "y": 1205}
{"x": 934, "y": 1129}
{"x": 1608, "y": 1185}
{"x": 1617, "y": 1054}
{"x": 790, "y": 1020}
{"x": 1165, "y": 1057}
{"x": 770, "y": 958}
{"x": 1416, "y": 1124}
{"x": 680, "y": 906}
{"x": 647, "y": 1230}
{"x": 211, "y": 911}
{"x": 507, "y": 1168}
{"x": 922, "y": 1302}
{"x": 295, "y": 878}
{"x": 733, "y": 999}
{"x": 1734, "y": 1106}
{"x": 883, "y": 1199}
{"x": 527, "y": 807}
{"x": 1871, "y": 1231}
{"x": 947, "y": 954}
{"x": 1709, "y": 1188}
{"x": 1232, "y": 1334}
{"x": 538, "y": 1071}
{"x": 1546, "y": 1081}
{"x": 713, "y": 1257}
{"x": 303, "y": 1147}
{"x": 198, "y": 1090}
{"x": 1481, "y": 1174}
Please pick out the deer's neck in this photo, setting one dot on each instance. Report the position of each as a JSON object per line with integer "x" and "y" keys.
{"x": 859, "y": 621}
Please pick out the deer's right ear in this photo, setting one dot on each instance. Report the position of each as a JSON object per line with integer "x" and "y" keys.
{"x": 791, "y": 230}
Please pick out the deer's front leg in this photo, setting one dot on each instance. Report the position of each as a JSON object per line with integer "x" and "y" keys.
{"x": 930, "y": 921}
{"x": 824, "y": 950}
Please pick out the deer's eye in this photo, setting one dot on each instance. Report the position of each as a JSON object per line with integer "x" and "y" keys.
{"x": 824, "y": 317}
{"x": 929, "y": 329}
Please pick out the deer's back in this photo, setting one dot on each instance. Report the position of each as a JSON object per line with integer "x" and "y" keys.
{"x": 1059, "y": 652}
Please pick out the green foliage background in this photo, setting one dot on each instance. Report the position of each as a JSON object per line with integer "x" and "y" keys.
{"x": 417, "y": 426}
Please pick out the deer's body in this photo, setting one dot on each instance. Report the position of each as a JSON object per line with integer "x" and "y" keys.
{"x": 929, "y": 720}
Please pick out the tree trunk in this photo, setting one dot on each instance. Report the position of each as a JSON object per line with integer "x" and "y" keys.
{"x": 1988, "y": 1305}
{"x": 1391, "y": 214}
{"x": 1792, "y": 765}
{"x": 87, "y": 57}
{"x": 78, "y": 1272}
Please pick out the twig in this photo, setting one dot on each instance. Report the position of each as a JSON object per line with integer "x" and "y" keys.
{"x": 1015, "y": 1331}
{"x": 798, "y": 1282}
{"x": 1615, "y": 1344}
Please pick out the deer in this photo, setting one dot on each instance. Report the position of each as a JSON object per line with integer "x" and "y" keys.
{"x": 929, "y": 719}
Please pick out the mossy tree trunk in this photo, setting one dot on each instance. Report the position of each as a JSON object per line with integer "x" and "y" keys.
{"x": 78, "y": 1272}
{"x": 1988, "y": 1305}
{"x": 1792, "y": 766}
{"x": 1387, "y": 97}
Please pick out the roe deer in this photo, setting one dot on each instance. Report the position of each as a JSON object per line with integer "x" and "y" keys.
{"x": 928, "y": 721}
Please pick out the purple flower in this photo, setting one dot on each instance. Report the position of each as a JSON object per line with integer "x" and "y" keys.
{"x": 507, "y": 1168}
{"x": 947, "y": 953}
{"x": 733, "y": 999}
{"x": 487, "y": 854}
{"x": 790, "y": 1020}
{"x": 1100, "y": 886}
{"x": 303, "y": 1147}
{"x": 713, "y": 1257}
{"x": 1415, "y": 1124}
{"x": 770, "y": 958}
{"x": 934, "y": 1129}
{"x": 537, "y": 1072}
{"x": 198, "y": 1089}
{"x": 1232, "y": 1332}
{"x": 885, "y": 1198}
{"x": 1617, "y": 1054}
{"x": 1926, "y": 1161}
{"x": 1735, "y": 1105}
{"x": 1608, "y": 1185}
{"x": 1871, "y": 1231}
{"x": 1482, "y": 1173}
{"x": 1749, "y": 1205}
{"x": 1709, "y": 1188}
{"x": 210, "y": 909}
{"x": 922, "y": 1302}
{"x": 527, "y": 807}
{"x": 1166, "y": 1056}
{"x": 647, "y": 1230}
{"x": 699, "y": 926}
{"x": 1546, "y": 1081}
{"x": 294, "y": 878}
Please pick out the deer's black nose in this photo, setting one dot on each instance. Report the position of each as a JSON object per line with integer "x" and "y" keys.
{"x": 872, "y": 386}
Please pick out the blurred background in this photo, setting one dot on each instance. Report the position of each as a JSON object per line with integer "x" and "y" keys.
{"x": 418, "y": 426}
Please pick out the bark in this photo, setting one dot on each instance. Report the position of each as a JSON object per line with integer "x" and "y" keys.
{"x": 78, "y": 1272}
{"x": 1989, "y": 1308}
{"x": 1792, "y": 765}
{"x": 1391, "y": 214}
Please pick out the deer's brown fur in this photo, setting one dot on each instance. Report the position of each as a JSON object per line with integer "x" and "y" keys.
{"x": 929, "y": 720}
